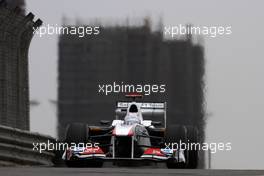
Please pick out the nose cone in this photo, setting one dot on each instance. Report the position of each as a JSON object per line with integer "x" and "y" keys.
{"x": 124, "y": 130}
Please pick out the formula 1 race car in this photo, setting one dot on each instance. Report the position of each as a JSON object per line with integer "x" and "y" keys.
{"x": 131, "y": 138}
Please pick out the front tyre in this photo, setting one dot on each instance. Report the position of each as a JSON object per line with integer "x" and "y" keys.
{"x": 193, "y": 152}
{"x": 176, "y": 134}
{"x": 79, "y": 133}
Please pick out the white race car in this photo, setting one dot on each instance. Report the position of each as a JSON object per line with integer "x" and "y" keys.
{"x": 130, "y": 137}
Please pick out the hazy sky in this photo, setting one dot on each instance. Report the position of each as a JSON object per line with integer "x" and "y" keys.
{"x": 234, "y": 66}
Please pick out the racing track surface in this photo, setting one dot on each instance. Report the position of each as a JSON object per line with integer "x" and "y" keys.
{"x": 51, "y": 171}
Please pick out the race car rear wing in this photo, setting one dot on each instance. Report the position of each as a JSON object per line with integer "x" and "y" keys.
{"x": 150, "y": 111}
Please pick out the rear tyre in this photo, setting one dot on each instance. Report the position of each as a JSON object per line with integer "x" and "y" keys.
{"x": 77, "y": 133}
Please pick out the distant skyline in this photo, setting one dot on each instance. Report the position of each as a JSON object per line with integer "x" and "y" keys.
{"x": 234, "y": 66}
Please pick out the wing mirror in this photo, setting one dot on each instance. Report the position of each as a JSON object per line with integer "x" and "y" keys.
{"x": 156, "y": 123}
{"x": 104, "y": 122}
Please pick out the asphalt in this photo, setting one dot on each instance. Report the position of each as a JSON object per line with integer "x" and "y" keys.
{"x": 51, "y": 171}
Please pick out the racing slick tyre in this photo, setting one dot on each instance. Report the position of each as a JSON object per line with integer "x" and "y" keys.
{"x": 79, "y": 133}
{"x": 176, "y": 134}
{"x": 193, "y": 152}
